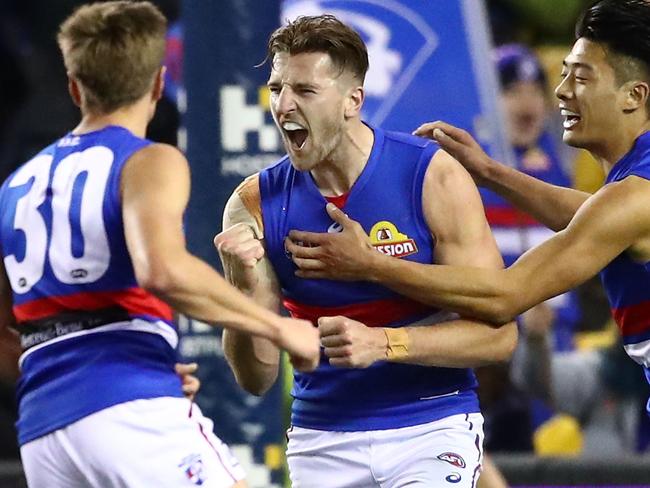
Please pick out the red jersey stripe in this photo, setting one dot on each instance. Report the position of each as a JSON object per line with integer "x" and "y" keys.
{"x": 633, "y": 319}
{"x": 374, "y": 314}
{"x": 509, "y": 217}
{"x": 135, "y": 301}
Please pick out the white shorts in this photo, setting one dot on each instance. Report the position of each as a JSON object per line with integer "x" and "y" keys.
{"x": 447, "y": 452}
{"x": 161, "y": 442}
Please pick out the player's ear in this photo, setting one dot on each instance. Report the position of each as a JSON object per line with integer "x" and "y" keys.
{"x": 354, "y": 101}
{"x": 74, "y": 90}
{"x": 158, "y": 84}
{"x": 636, "y": 95}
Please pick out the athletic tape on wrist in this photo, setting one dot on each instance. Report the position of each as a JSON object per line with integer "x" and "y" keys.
{"x": 398, "y": 343}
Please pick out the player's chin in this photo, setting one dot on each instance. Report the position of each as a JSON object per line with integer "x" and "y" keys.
{"x": 572, "y": 139}
{"x": 301, "y": 162}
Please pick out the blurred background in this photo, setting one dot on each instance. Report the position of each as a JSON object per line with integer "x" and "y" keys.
{"x": 570, "y": 408}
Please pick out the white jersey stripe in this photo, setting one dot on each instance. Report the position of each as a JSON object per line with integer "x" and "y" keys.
{"x": 136, "y": 325}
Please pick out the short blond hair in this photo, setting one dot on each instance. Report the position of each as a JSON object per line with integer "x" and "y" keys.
{"x": 114, "y": 49}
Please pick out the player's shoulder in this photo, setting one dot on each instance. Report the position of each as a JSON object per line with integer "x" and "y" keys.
{"x": 276, "y": 178}
{"x": 47, "y": 152}
{"x": 446, "y": 172}
{"x": 625, "y": 200}
{"x": 157, "y": 164}
{"x": 250, "y": 187}
{"x": 444, "y": 163}
{"x": 245, "y": 203}
{"x": 642, "y": 156}
{"x": 247, "y": 193}
{"x": 162, "y": 157}
{"x": 159, "y": 151}
{"x": 406, "y": 139}
{"x": 413, "y": 152}
{"x": 281, "y": 166}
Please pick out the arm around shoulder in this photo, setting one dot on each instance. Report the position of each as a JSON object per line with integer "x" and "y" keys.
{"x": 455, "y": 216}
{"x": 552, "y": 205}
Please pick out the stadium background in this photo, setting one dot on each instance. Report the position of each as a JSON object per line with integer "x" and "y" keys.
{"x": 430, "y": 59}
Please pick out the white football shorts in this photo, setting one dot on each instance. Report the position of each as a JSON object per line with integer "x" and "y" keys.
{"x": 443, "y": 453}
{"x": 162, "y": 442}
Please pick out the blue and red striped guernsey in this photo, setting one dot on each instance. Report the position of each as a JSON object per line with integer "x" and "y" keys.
{"x": 627, "y": 282}
{"x": 387, "y": 200}
{"x": 92, "y": 337}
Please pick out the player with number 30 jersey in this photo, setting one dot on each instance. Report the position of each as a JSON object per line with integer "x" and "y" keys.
{"x": 71, "y": 275}
{"x": 93, "y": 259}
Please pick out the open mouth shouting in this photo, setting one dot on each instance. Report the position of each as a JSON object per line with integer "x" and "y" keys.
{"x": 571, "y": 119}
{"x": 296, "y": 134}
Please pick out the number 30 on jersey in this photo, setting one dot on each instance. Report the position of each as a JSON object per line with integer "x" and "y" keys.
{"x": 76, "y": 198}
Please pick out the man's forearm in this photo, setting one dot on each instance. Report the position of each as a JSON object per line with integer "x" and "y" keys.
{"x": 487, "y": 294}
{"x": 459, "y": 344}
{"x": 193, "y": 288}
{"x": 554, "y": 206}
{"x": 254, "y": 361}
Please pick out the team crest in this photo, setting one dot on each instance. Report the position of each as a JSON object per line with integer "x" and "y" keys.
{"x": 387, "y": 239}
{"x": 192, "y": 465}
{"x": 453, "y": 459}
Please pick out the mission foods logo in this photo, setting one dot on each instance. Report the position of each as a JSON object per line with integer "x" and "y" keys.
{"x": 387, "y": 239}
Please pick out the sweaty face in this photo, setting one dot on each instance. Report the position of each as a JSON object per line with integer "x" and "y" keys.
{"x": 590, "y": 99}
{"x": 307, "y": 103}
{"x": 525, "y": 108}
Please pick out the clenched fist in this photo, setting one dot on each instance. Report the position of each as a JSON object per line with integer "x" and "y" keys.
{"x": 240, "y": 251}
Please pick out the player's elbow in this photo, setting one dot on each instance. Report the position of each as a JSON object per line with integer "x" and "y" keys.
{"x": 253, "y": 384}
{"x": 502, "y": 306}
{"x": 500, "y": 312}
{"x": 506, "y": 342}
{"x": 256, "y": 381}
{"x": 156, "y": 276}
{"x": 253, "y": 375}
{"x": 500, "y": 346}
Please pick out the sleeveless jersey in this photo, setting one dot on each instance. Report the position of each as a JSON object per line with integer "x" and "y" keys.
{"x": 91, "y": 337}
{"x": 386, "y": 200}
{"x": 516, "y": 231}
{"x": 627, "y": 282}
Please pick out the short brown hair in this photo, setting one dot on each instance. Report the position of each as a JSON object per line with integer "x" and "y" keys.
{"x": 114, "y": 49}
{"x": 322, "y": 33}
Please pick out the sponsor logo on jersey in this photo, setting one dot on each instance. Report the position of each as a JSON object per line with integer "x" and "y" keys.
{"x": 334, "y": 228}
{"x": 192, "y": 465}
{"x": 387, "y": 239}
{"x": 453, "y": 459}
